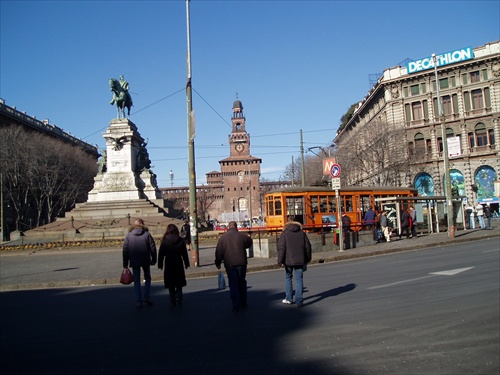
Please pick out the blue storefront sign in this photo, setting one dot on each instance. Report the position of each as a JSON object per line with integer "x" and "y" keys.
{"x": 447, "y": 58}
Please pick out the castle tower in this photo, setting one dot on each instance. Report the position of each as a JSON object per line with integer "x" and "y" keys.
{"x": 241, "y": 171}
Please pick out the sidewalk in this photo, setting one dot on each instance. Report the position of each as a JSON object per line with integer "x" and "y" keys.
{"x": 39, "y": 269}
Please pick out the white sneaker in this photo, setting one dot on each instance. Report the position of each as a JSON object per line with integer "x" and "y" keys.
{"x": 286, "y": 302}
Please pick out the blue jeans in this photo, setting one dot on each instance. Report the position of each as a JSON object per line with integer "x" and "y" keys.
{"x": 481, "y": 221}
{"x": 236, "y": 276}
{"x": 299, "y": 283}
{"x": 137, "y": 282}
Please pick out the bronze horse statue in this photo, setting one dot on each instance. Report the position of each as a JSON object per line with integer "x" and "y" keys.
{"x": 121, "y": 97}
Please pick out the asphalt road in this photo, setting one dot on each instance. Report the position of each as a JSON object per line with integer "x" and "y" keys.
{"x": 432, "y": 311}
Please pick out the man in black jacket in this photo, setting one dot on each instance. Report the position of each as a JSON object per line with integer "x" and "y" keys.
{"x": 232, "y": 250}
{"x": 294, "y": 252}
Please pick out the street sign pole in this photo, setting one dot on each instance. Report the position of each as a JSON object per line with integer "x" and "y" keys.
{"x": 335, "y": 173}
{"x": 339, "y": 219}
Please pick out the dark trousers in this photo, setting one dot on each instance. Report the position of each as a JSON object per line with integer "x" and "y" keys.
{"x": 175, "y": 294}
{"x": 406, "y": 230}
{"x": 236, "y": 276}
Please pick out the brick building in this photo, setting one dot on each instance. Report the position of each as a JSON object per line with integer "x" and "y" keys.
{"x": 233, "y": 192}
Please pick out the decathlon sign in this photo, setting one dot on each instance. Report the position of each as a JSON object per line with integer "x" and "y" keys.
{"x": 443, "y": 59}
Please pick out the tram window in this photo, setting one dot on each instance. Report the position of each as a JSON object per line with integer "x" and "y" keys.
{"x": 277, "y": 207}
{"x": 322, "y": 204}
{"x": 366, "y": 204}
{"x": 348, "y": 203}
{"x": 294, "y": 206}
{"x": 314, "y": 205}
{"x": 270, "y": 208}
{"x": 332, "y": 204}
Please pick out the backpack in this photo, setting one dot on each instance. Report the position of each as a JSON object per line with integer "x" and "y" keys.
{"x": 183, "y": 233}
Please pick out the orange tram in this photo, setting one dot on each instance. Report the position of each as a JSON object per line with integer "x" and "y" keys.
{"x": 316, "y": 207}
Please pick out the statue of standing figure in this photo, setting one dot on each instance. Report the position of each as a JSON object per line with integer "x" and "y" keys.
{"x": 121, "y": 96}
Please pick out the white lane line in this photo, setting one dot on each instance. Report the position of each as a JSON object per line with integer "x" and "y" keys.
{"x": 401, "y": 282}
{"x": 432, "y": 274}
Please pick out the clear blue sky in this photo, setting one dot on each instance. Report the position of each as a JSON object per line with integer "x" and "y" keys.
{"x": 293, "y": 64}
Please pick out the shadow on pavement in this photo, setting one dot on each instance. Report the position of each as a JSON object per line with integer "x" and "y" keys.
{"x": 100, "y": 331}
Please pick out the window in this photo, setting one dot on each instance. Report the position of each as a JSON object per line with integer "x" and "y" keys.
{"x": 322, "y": 204}
{"x": 487, "y": 98}
{"x": 314, "y": 205}
{"x": 454, "y": 99}
{"x": 415, "y": 90}
{"x": 465, "y": 81}
{"x": 467, "y": 101}
{"x": 472, "y": 142}
{"x": 485, "y": 74}
{"x": 416, "y": 110}
{"x": 408, "y": 112}
{"x": 411, "y": 150}
{"x": 474, "y": 77}
{"x": 447, "y": 110}
{"x": 443, "y": 83}
{"x": 481, "y": 135}
{"x": 440, "y": 144}
{"x": 426, "y": 109}
{"x": 332, "y": 201}
{"x": 294, "y": 206}
{"x": 428, "y": 146}
{"x": 419, "y": 144}
{"x": 477, "y": 99}
{"x": 491, "y": 136}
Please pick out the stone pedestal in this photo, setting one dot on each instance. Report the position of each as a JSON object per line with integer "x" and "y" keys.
{"x": 126, "y": 174}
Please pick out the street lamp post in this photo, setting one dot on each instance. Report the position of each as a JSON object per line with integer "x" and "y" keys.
{"x": 250, "y": 192}
{"x": 193, "y": 211}
{"x": 447, "y": 181}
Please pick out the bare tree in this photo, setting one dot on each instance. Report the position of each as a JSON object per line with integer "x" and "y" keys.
{"x": 43, "y": 177}
{"x": 375, "y": 154}
{"x": 313, "y": 171}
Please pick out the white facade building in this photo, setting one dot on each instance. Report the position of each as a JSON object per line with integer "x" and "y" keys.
{"x": 404, "y": 100}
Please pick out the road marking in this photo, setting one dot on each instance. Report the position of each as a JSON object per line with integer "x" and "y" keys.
{"x": 451, "y": 272}
{"x": 432, "y": 274}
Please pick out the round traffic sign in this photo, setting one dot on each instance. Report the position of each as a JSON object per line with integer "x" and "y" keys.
{"x": 335, "y": 170}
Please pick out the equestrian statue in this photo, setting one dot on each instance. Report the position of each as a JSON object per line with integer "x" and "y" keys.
{"x": 121, "y": 96}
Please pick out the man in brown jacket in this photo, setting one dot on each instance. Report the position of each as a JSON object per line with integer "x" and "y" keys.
{"x": 231, "y": 249}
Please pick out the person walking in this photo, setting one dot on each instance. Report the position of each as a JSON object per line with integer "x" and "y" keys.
{"x": 294, "y": 252}
{"x": 139, "y": 251}
{"x": 231, "y": 249}
{"x": 480, "y": 214}
{"x": 186, "y": 234}
{"x": 488, "y": 214}
{"x": 413, "y": 227}
{"x": 172, "y": 259}
{"x": 384, "y": 224}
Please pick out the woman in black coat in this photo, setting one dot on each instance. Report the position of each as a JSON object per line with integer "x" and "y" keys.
{"x": 172, "y": 259}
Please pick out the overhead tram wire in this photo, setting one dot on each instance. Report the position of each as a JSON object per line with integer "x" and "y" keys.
{"x": 213, "y": 109}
